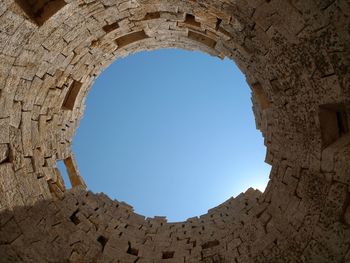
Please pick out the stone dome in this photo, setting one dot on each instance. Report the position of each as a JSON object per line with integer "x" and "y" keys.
{"x": 295, "y": 56}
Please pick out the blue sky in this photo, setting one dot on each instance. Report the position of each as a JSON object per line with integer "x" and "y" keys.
{"x": 172, "y": 133}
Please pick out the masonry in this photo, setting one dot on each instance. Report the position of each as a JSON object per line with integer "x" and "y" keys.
{"x": 295, "y": 56}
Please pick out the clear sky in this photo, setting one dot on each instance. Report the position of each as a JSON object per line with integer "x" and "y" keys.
{"x": 172, "y": 133}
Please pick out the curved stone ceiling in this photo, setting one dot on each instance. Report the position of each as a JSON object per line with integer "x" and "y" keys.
{"x": 295, "y": 55}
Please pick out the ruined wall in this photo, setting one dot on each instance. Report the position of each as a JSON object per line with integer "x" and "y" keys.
{"x": 295, "y": 55}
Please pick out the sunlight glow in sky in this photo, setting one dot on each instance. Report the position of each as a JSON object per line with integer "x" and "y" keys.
{"x": 172, "y": 133}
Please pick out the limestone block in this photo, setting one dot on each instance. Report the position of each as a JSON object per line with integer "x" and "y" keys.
{"x": 4, "y": 131}
{"x": 8, "y": 185}
{"x": 73, "y": 173}
{"x": 294, "y": 51}
{"x": 4, "y": 152}
{"x": 10, "y": 23}
{"x": 26, "y": 129}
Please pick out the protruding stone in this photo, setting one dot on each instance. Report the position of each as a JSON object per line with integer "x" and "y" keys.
{"x": 4, "y": 152}
{"x": 295, "y": 55}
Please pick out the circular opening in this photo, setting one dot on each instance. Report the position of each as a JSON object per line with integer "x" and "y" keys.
{"x": 172, "y": 133}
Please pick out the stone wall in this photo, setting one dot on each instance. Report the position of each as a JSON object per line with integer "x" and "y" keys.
{"x": 295, "y": 55}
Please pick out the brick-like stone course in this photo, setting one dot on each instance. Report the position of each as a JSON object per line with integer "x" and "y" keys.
{"x": 295, "y": 55}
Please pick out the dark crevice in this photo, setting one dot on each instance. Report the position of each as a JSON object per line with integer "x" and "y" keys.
{"x": 132, "y": 251}
{"x": 191, "y": 20}
{"x": 103, "y": 241}
{"x": 111, "y": 27}
{"x": 342, "y": 123}
{"x": 218, "y": 23}
{"x": 95, "y": 43}
{"x": 333, "y": 123}
{"x": 71, "y": 96}
{"x": 168, "y": 254}
{"x": 74, "y": 218}
{"x": 40, "y": 11}
{"x": 131, "y": 38}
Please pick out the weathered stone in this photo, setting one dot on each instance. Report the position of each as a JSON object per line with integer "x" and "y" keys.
{"x": 295, "y": 55}
{"x": 4, "y": 152}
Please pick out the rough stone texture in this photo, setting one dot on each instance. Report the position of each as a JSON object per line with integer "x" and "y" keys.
{"x": 295, "y": 55}
{"x": 4, "y": 152}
